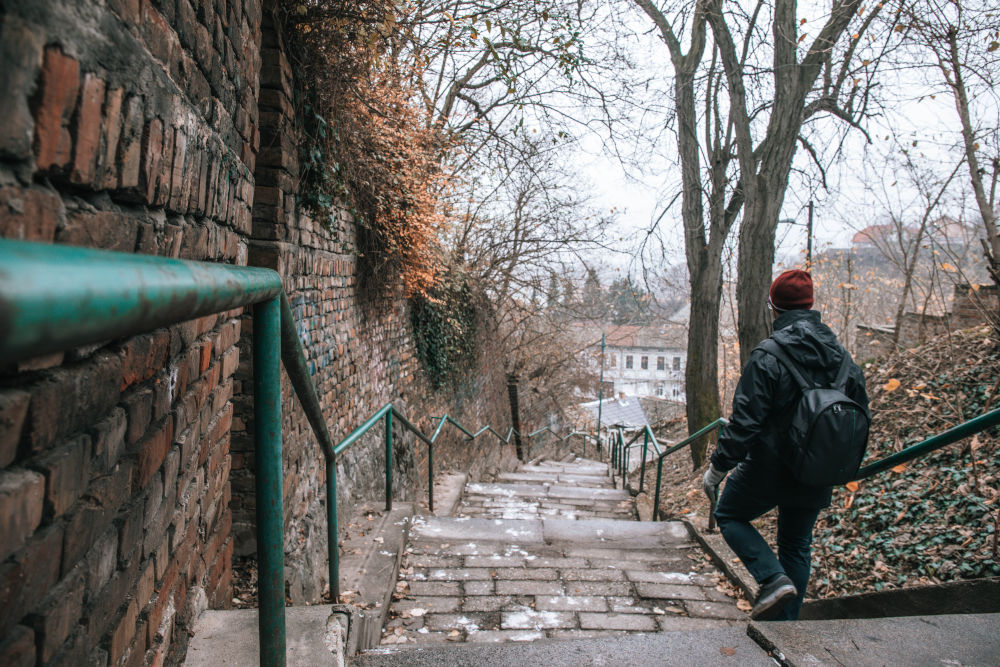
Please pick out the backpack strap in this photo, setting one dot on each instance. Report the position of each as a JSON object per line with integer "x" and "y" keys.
{"x": 772, "y": 347}
{"x": 845, "y": 367}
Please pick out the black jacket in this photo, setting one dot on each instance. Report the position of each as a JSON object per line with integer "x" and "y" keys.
{"x": 765, "y": 398}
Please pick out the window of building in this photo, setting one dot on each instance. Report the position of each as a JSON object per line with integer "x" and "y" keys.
{"x": 628, "y": 361}
{"x": 676, "y": 393}
{"x": 677, "y": 363}
{"x": 614, "y": 362}
{"x": 659, "y": 389}
{"x": 661, "y": 363}
{"x": 644, "y": 362}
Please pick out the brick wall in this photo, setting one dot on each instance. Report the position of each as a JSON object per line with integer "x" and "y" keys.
{"x": 969, "y": 308}
{"x": 359, "y": 346}
{"x": 163, "y": 127}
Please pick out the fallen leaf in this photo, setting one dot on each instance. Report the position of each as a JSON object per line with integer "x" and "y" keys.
{"x": 743, "y": 605}
{"x": 454, "y": 633}
{"x": 891, "y": 385}
{"x": 725, "y": 650}
{"x": 852, "y": 486}
{"x": 900, "y": 468}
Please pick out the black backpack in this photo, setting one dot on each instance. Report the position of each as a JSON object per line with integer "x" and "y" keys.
{"x": 828, "y": 433}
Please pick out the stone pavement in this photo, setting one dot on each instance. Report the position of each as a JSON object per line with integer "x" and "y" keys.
{"x": 551, "y": 551}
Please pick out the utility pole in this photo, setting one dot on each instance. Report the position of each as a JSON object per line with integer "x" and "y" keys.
{"x": 809, "y": 238}
{"x": 600, "y": 396}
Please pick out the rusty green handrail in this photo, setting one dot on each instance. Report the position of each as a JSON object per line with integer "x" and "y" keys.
{"x": 620, "y": 452}
{"x": 386, "y": 413}
{"x": 56, "y": 297}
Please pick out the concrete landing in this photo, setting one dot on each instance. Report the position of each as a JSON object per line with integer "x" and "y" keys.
{"x": 955, "y": 639}
{"x": 726, "y": 646}
{"x": 230, "y": 638}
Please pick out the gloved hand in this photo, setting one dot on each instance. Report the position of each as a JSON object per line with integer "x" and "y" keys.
{"x": 713, "y": 478}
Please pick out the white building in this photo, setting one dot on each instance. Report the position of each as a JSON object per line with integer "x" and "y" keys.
{"x": 646, "y": 361}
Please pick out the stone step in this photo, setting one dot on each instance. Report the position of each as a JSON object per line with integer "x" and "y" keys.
{"x": 952, "y": 639}
{"x": 717, "y": 646}
{"x": 595, "y": 532}
{"x": 566, "y": 479}
{"x": 537, "y": 491}
{"x": 566, "y": 468}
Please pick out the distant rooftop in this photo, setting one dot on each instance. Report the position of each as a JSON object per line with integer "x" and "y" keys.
{"x": 623, "y": 411}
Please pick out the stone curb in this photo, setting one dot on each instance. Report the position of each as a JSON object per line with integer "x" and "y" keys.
{"x": 723, "y": 557}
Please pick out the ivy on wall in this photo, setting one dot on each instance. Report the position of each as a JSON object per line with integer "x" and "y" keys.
{"x": 445, "y": 322}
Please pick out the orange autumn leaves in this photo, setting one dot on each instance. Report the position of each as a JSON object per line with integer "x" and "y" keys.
{"x": 368, "y": 143}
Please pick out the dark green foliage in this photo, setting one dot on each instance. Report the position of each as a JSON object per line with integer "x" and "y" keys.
{"x": 445, "y": 323}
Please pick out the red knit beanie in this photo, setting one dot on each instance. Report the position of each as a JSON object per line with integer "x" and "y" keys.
{"x": 792, "y": 290}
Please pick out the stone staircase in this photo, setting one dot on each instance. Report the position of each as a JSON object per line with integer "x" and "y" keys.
{"x": 551, "y": 551}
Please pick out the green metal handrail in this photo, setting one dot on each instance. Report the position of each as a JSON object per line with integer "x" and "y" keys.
{"x": 386, "y": 413}
{"x": 56, "y": 297}
{"x": 620, "y": 452}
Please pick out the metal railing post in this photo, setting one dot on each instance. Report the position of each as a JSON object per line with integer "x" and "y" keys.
{"x": 269, "y": 487}
{"x": 656, "y": 498}
{"x": 333, "y": 532}
{"x": 388, "y": 460}
{"x": 642, "y": 470}
{"x": 430, "y": 478}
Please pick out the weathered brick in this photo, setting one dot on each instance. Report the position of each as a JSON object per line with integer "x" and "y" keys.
{"x": 109, "y": 440}
{"x": 152, "y": 156}
{"x": 143, "y": 356}
{"x": 130, "y": 145}
{"x": 101, "y": 562}
{"x": 121, "y": 636}
{"x": 29, "y": 214}
{"x": 108, "y": 230}
{"x": 13, "y": 409}
{"x": 21, "y": 502}
{"x": 55, "y": 102}
{"x": 107, "y": 169}
{"x": 94, "y": 388}
{"x": 91, "y": 518}
{"x": 58, "y": 613}
{"x": 29, "y": 576}
{"x": 139, "y": 410}
{"x": 67, "y": 471}
{"x": 18, "y": 648}
{"x": 87, "y": 129}
{"x": 152, "y": 450}
{"x": 130, "y": 534}
{"x": 110, "y": 600}
{"x": 21, "y": 52}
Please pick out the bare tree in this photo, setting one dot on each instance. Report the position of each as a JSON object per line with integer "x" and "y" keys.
{"x": 961, "y": 36}
{"x": 710, "y": 134}
{"x": 772, "y": 101}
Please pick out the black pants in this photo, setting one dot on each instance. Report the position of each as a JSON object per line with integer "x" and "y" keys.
{"x": 746, "y": 497}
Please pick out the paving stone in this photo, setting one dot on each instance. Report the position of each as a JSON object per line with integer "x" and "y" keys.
{"x": 557, "y": 562}
{"x": 670, "y": 591}
{"x": 497, "y": 636}
{"x": 619, "y": 588}
{"x": 584, "y": 634}
{"x": 633, "y": 622}
{"x": 494, "y": 560}
{"x": 425, "y": 560}
{"x": 537, "y": 620}
{"x": 614, "y": 554}
{"x": 570, "y": 603}
{"x": 674, "y": 623}
{"x": 432, "y": 604}
{"x": 714, "y": 610}
{"x": 628, "y": 605}
{"x": 606, "y": 574}
{"x": 486, "y": 603}
{"x": 478, "y": 587}
{"x": 459, "y": 574}
{"x": 516, "y": 574}
{"x": 529, "y": 588}
{"x": 434, "y": 588}
{"x": 686, "y": 578}
{"x": 469, "y": 622}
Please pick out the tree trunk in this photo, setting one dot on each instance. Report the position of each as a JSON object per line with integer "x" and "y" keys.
{"x": 754, "y": 264}
{"x": 701, "y": 382}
